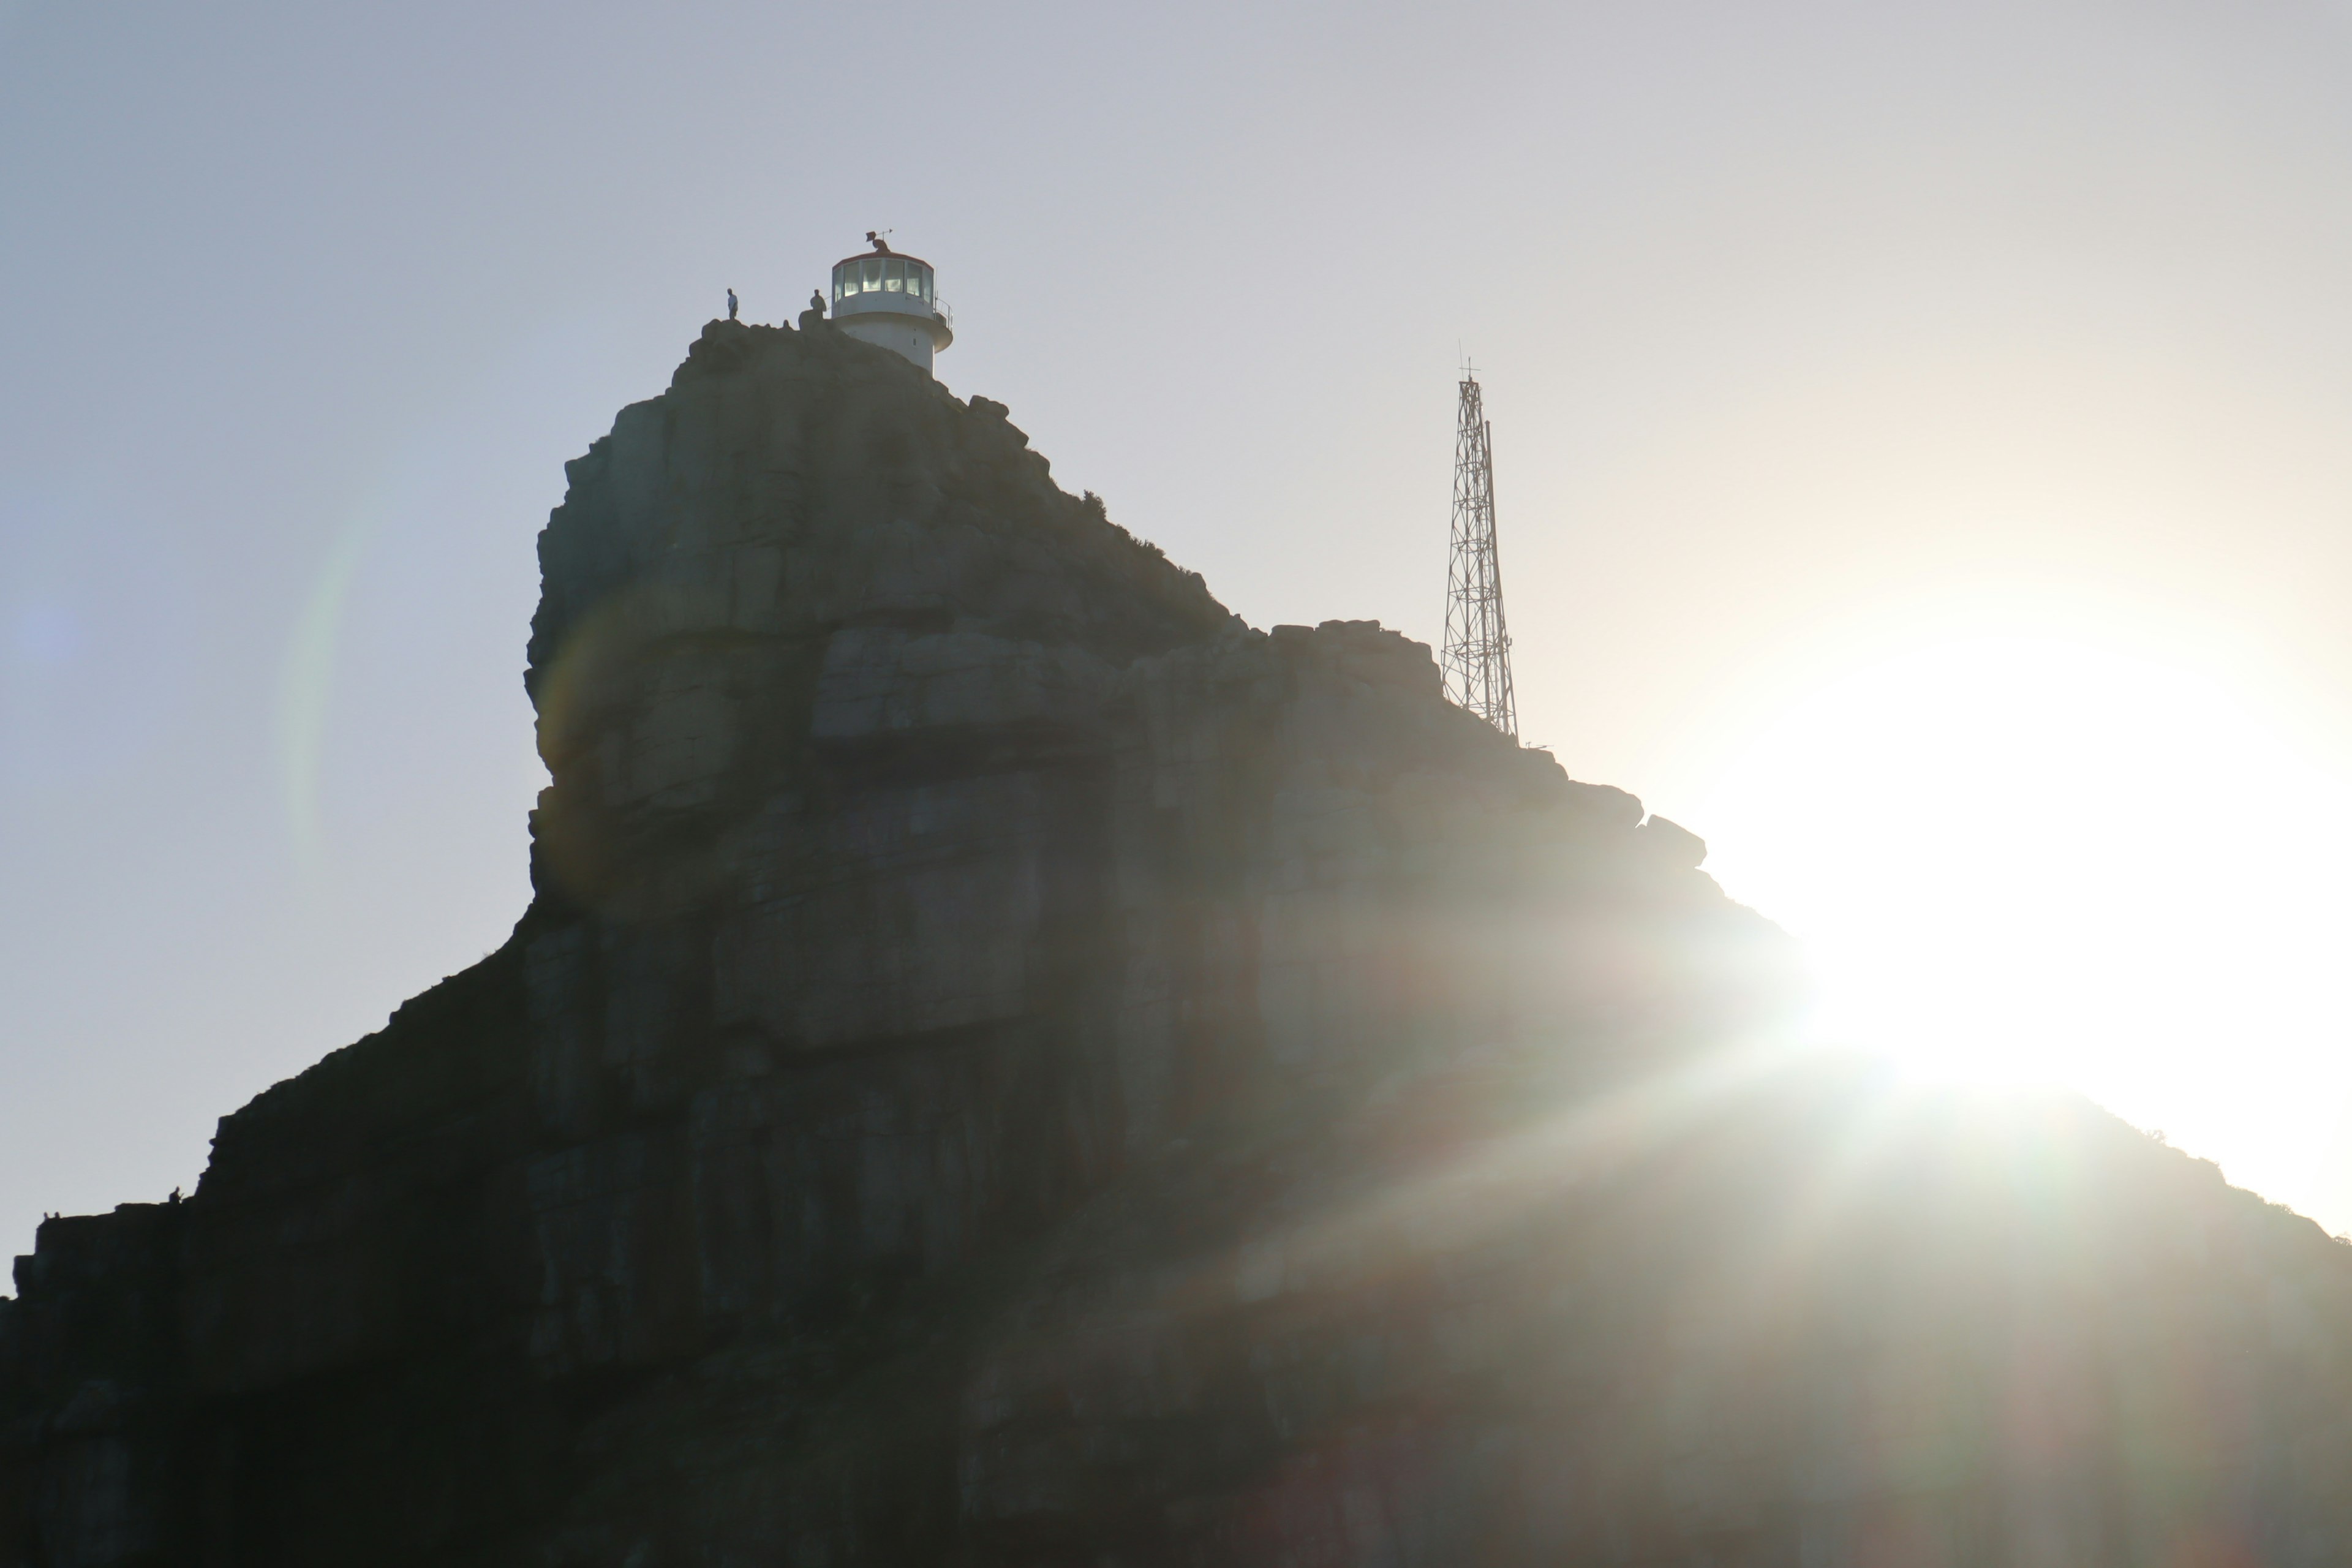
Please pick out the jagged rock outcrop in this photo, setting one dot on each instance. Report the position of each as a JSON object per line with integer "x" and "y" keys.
{"x": 1007, "y": 1065}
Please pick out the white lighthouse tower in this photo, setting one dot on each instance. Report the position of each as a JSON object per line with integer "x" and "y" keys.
{"x": 891, "y": 302}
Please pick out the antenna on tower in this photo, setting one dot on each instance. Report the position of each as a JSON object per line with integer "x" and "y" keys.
{"x": 1476, "y": 659}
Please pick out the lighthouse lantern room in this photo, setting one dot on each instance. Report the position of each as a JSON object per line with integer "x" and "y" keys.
{"x": 891, "y": 302}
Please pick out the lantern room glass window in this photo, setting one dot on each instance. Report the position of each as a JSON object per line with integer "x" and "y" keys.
{"x": 880, "y": 275}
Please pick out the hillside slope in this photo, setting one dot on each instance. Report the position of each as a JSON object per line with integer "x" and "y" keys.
{"x": 1007, "y": 1065}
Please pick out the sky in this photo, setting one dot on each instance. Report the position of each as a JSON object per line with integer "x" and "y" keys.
{"x": 1920, "y": 457}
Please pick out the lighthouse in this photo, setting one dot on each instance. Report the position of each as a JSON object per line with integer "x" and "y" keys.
{"x": 891, "y": 302}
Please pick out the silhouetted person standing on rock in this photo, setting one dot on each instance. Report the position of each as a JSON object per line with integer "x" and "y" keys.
{"x": 730, "y": 304}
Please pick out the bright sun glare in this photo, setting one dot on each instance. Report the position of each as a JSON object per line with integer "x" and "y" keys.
{"x": 2024, "y": 858}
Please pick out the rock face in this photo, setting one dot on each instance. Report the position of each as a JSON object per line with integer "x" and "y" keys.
{"x": 1007, "y": 1065}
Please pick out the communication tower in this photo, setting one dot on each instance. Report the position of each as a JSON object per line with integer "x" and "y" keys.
{"x": 1478, "y": 653}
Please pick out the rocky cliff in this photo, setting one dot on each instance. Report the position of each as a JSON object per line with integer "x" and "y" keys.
{"x": 1007, "y": 1065}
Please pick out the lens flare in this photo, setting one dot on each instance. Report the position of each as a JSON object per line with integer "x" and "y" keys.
{"x": 305, "y": 687}
{"x": 2023, "y": 858}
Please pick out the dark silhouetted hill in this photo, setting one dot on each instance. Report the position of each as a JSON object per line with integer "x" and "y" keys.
{"x": 1007, "y": 1065}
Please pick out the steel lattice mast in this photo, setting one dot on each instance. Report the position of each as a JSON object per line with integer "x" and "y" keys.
{"x": 1477, "y": 653}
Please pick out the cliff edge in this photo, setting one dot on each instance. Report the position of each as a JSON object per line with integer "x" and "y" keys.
{"x": 1007, "y": 1065}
